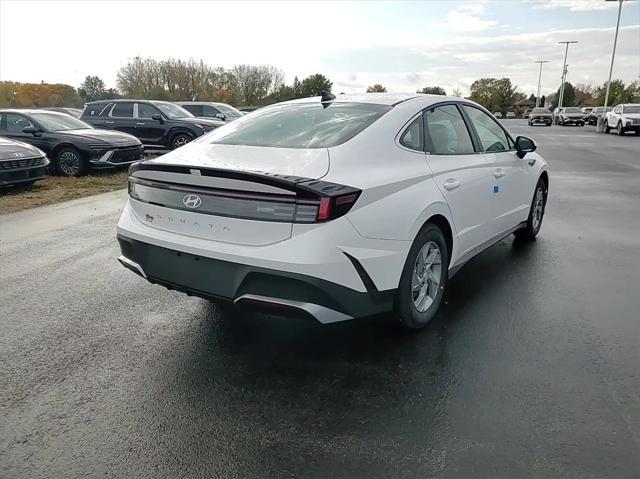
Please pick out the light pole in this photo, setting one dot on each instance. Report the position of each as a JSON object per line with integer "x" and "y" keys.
{"x": 564, "y": 71}
{"x": 539, "y": 78}
{"x": 600, "y": 125}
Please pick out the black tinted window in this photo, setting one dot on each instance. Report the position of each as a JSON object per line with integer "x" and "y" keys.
{"x": 447, "y": 131}
{"x": 97, "y": 109}
{"x": 412, "y": 136}
{"x": 195, "y": 110}
{"x": 123, "y": 110}
{"x": 15, "y": 122}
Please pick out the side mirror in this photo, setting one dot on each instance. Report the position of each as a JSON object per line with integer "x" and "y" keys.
{"x": 31, "y": 129}
{"x": 524, "y": 145}
{"x": 221, "y": 116}
{"x": 158, "y": 117}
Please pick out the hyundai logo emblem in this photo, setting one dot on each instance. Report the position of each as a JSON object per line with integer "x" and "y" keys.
{"x": 192, "y": 201}
{"x": 19, "y": 155}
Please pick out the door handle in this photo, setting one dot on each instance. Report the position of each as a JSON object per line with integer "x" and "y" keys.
{"x": 451, "y": 184}
{"x": 141, "y": 124}
{"x": 109, "y": 122}
{"x": 498, "y": 172}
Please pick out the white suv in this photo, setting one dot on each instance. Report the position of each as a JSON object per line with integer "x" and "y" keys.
{"x": 624, "y": 118}
{"x": 334, "y": 207}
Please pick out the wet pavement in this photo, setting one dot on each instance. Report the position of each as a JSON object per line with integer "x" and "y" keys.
{"x": 532, "y": 369}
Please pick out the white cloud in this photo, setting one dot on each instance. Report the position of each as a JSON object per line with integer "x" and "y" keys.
{"x": 466, "y": 18}
{"x": 574, "y": 5}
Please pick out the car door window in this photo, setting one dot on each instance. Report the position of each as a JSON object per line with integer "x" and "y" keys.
{"x": 195, "y": 110}
{"x": 412, "y": 137}
{"x": 147, "y": 111}
{"x": 15, "y": 123}
{"x": 208, "y": 110}
{"x": 122, "y": 110}
{"x": 492, "y": 137}
{"x": 446, "y": 131}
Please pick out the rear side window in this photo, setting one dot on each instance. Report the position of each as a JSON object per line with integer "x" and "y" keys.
{"x": 97, "y": 109}
{"x": 123, "y": 110}
{"x": 306, "y": 125}
{"x": 412, "y": 136}
{"x": 195, "y": 110}
{"x": 447, "y": 131}
{"x": 491, "y": 135}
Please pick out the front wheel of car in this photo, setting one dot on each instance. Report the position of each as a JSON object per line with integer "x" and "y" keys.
{"x": 180, "y": 139}
{"x": 69, "y": 162}
{"x": 423, "y": 279}
{"x": 620, "y": 129}
{"x": 606, "y": 126}
{"x": 536, "y": 213}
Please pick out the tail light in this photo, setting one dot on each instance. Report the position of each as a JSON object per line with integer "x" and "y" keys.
{"x": 310, "y": 201}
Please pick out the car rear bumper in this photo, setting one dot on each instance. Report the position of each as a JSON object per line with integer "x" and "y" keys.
{"x": 251, "y": 286}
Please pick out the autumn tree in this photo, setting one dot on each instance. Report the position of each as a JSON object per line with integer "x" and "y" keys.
{"x": 432, "y": 90}
{"x": 38, "y": 95}
{"x": 377, "y": 88}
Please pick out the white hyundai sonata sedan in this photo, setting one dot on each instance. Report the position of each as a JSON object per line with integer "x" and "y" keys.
{"x": 334, "y": 208}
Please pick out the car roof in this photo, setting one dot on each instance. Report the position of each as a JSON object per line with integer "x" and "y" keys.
{"x": 381, "y": 98}
{"x": 32, "y": 110}
{"x": 119, "y": 100}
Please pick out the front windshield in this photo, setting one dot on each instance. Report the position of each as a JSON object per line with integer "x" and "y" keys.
{"x": 541, "y": 110}
{"x": 573, "y": 109}
{"x": 173, "y": 111}
{"x": 631, "y": 109}
{"x": 301, "y": 125}
{"x": 59, "y": 121}
{"x": 229, "y": 110}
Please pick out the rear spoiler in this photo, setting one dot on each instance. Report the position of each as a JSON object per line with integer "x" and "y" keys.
{"x": 305, "y": 187}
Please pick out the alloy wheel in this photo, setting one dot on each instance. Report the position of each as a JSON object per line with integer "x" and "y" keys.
{"x": 427, "y": 275}
{"x": 181, "y": 140}
{"x": 69, "y": 163}
{"x": 538, "y": 209}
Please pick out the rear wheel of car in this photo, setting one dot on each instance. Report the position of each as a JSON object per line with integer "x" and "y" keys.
{"x": 423, "y": 279}
{"x": 180, "y": 139}
{"x": 69, "y": 162}
{"x": 536, "y": 213}
{"x": 620, "y": 129}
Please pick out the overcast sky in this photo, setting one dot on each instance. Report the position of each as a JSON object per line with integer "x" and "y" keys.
{"x": 402, "y": 45}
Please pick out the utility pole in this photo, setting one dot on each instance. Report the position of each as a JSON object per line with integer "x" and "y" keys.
{"x": 600, "y": 124}
{"x": 564, "y": 71}
{"x": 539, "y": 78}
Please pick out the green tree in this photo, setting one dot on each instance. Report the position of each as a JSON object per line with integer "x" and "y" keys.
{"x": 314, "y": 85}
{"x": 569, "y": 97}
{"x": 432, "y": 90}
{"x": 617, "y": 94}
{"x": 495, "y": 94}
{"x": 92, "y": 88}
{"x": 377, "y": 88}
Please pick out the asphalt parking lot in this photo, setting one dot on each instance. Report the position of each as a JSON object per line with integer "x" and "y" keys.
{"x": 532, "y": 368}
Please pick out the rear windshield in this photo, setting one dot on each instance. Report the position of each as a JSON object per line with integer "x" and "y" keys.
{"x": 306, "y": 125}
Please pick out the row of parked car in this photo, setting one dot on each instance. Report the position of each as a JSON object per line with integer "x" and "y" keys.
{"x": 622, "y": 118}
{"x": 105, "y": 134}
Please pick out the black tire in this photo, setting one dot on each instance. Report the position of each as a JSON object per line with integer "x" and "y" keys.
{"x": 180, "y": 139}
{"x": 637, "y": 132}
{"x": 405, "y": 306}
{"x": 534, "y": 222}
{"x": 620, "y": 129}
{"x": 606, "y": 126}
{"x": 69, "y": 162}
